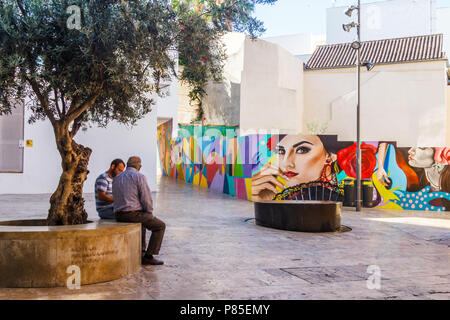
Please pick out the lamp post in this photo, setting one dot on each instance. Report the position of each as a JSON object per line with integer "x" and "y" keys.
{"x": 357, "y": 46}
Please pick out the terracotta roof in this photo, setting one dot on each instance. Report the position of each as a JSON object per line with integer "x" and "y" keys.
{"x": 408, "y": 49}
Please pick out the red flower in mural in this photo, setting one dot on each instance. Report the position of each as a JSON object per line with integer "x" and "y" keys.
{"x": 347, "y": 160}
{"x": 442, "y": 156}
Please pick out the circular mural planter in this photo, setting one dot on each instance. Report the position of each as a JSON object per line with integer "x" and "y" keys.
{"x": 296, "y": 215}
{"x": 34, "y": 255}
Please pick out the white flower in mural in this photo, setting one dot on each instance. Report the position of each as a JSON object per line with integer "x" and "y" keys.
{"x": 176, "y": 154}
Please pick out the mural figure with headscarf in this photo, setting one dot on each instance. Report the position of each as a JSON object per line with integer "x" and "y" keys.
{"x": 304, "y": 168}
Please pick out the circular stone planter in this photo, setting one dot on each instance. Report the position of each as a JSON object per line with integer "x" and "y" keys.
{"x": 298, "y": 215}
{"x": 34, "y": 255}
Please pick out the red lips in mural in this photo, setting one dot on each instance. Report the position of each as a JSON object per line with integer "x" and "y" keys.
{"x": 347, "y": 160}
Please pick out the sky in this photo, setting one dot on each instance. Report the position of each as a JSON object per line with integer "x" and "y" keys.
{"x": 304, "y": 16}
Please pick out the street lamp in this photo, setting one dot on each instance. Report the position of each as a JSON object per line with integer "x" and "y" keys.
{"x": 350, "y": 10}
{"x": 349, "y": 26}
{"x": 357, "y": 46}
{"x": 369, "y": 65}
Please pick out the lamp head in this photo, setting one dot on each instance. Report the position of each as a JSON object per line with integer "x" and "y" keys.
{"x": 369, "y": 65}
{"x": 356, "y": 45}
{"x": 350, "y": 10}
{"x": 347, "y": 27}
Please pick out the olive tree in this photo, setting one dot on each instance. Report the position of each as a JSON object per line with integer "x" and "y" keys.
{"x": 89, "y": 62}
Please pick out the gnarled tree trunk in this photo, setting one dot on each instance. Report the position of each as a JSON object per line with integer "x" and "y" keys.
{"x": 67, "y": 203}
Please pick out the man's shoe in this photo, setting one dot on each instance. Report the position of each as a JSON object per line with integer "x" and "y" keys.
{"x": 151, "y": 261}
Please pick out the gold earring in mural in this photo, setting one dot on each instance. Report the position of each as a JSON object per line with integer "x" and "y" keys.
{"x": 325, "y": 170}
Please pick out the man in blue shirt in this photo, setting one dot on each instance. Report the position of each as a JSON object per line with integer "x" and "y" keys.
{"x": 103, "y": 189}
{"x": 133, "y": 203}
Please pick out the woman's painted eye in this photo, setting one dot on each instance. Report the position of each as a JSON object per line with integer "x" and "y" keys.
{"x": 302, "y": 150}
{"x": 280, "y": 151}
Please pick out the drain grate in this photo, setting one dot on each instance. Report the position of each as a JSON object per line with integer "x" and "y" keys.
{"x": 327, "y": 274}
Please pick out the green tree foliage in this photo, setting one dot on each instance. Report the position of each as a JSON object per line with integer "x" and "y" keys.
{"x": 88, "y": 62}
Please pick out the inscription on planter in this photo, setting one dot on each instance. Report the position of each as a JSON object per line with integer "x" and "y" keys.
{"x": 90, "y": 254}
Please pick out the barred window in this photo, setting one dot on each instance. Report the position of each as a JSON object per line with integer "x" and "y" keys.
{"x": 11, "y": 140}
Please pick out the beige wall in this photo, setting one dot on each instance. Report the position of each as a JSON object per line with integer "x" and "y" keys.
{"x": 271, "y": 88}
{"x": 406, "y": 103}
{"x": 221, "y": 104}
{"x": 186, "y": 112}
{"x": 448, "y": 115}
{"x": 266, "y": 88}
{"x": 261, "y": 88}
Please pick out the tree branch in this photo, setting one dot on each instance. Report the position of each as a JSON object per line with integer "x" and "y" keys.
{"x": 21, "y": 7}
{"x": 74, "y": 113}
{"x": 73, "y": 104}
{"x": 57, "y": 103}
{"x": 63, "y": 102}
{"x": 42, "y": 99}
{"x": 76, "y": 126}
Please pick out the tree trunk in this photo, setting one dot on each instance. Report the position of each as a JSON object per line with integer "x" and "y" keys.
{"x": 67, "y": 203}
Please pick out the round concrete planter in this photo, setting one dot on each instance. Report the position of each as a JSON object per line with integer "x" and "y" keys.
{"x": 299, "y": 215}
{"x": 34, "y": 255}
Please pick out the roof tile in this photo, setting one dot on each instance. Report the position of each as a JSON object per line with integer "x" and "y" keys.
{"x": 408, "y": 49}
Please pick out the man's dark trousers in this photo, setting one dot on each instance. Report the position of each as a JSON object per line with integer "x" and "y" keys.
{"x": 150, "y": 222}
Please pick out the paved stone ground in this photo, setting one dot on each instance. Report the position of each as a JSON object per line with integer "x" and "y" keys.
{"x": 211, "y": 251}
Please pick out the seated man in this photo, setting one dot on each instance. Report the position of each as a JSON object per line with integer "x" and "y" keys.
{"x": 103, "y": 189}
{"x": 133, "y": 203}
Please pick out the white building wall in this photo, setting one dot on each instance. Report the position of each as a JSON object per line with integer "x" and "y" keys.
{"x": 221, "y": 104}
{"x": 271, "y": 89}
{"x": 448, "y": 114}
{"x": 42, "y": 166}
{"x": 383, "y": 20}
{"x": 261, "y": 88}
{"x": 298, "y": 44}
{"x": 119, "y": 141}
{"x": 406, "y": 103}
{"x": 167, "y": 107}
{"x": 186, "y": 111}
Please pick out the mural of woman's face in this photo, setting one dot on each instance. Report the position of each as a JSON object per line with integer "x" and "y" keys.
{"x": 421, "y": 157}
{"x": 301, "y": 158}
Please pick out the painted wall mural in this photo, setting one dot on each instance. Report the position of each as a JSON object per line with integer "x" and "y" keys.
{"x": 164, "y": 137}
{"x": 279, "y": 167}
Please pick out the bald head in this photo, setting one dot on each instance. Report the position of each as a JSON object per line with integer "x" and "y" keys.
{"x": 134, "y": 162}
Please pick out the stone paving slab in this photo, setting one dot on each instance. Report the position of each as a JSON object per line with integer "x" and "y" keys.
{"x": 213, "y": 250}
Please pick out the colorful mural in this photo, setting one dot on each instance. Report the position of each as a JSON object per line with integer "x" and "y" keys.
{"x": 278, "y": 167}
{"x": 164, "y": 137}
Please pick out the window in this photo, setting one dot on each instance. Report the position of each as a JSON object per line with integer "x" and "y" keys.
{"x": 11, "y": 140}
